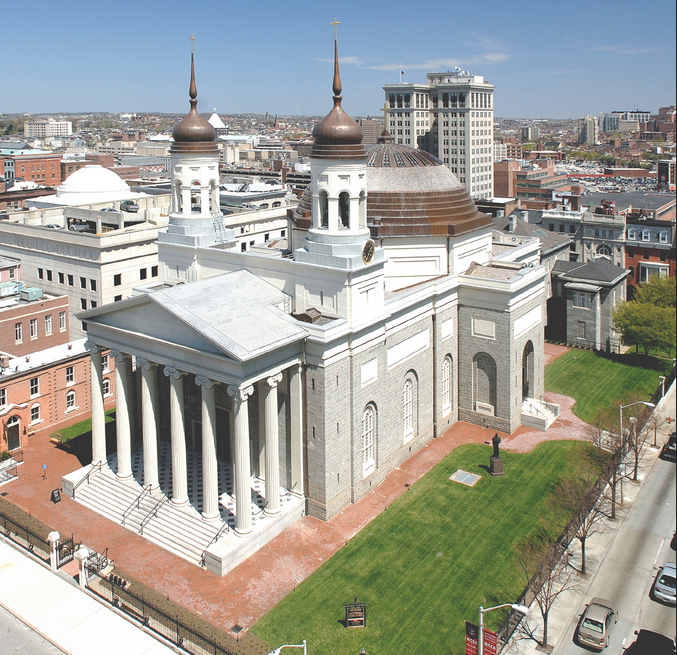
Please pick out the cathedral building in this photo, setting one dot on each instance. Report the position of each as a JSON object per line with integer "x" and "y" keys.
{"x": 255, "y": 387}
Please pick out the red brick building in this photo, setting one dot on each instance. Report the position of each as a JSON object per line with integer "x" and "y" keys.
{"x": 31, "y": 320}
{"x": 39, "y": 168}
{"x": 47, "y": 390}
{"x": 649, "y": 249}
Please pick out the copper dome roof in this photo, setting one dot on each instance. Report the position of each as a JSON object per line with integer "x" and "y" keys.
{"x": 194, "y": 133}
{"x": 337, "y": 136}
{"x": 410, "y": 193}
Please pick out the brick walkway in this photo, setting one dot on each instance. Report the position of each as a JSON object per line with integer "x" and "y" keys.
{"x": 254, "y": 587}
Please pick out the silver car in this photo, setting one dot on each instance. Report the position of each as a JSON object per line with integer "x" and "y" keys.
{"x": 664, "y": 586}
{"x": 596, "y": 623}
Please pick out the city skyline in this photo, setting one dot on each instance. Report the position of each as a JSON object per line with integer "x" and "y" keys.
{"x": 542, "y": 64}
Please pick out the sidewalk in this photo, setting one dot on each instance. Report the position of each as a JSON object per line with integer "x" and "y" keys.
{"x": 597, "y": 546}
{"x": 65, "y": 615}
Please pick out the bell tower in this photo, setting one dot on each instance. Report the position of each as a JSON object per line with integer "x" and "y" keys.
{"x": 338, "y": 235}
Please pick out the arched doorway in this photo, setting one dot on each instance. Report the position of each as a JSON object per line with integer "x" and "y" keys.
{"x": 484, "y": 383}
{"x": 528, "y": 371}
{"x": 13, "y": 434}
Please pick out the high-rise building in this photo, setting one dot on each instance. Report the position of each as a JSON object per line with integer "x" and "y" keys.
{"x": 531, "y": 133}
{"x": 451, "y": 117}
{"x": 45, "y": 128}
{"x": 588, "y": 130}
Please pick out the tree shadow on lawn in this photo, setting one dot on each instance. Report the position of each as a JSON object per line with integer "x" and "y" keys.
{"x": 635, "y": 359}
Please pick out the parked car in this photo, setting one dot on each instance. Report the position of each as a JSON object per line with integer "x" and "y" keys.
{"x": 80, "y": 227}
{"x": 669, "y": 450}
{"x": 651, "y": 643}
{"x": 109, "y": 209}
{"x": 665, "y": 585}
{"x": 596, "y": 622}
{"x": 129, "y": 206}
{"x": 54, "y": 226}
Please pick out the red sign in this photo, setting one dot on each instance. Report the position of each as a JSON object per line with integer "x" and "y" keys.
{"x": 471, "y": 632}
{"x": 490, "y": 642}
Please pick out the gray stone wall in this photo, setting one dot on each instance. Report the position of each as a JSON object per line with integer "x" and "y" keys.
{"x": 582, "y": 322}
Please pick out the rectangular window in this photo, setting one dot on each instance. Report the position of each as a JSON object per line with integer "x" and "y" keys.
{"x": 143, "y": 274}
{"x": 117, "y": 279}
{"x": 83, "y": 303}
{"x": 62, "y": 320}
{"x": 35, "y": 413}
{"x": 646, "y": 235}
{"x": 34, "y": 328}
{"x": 83, "y": 282}
{"x": 19, "y": 332}
{"x": 48, "y": 324}
{"x": 3, "y": 397}
{"x": 70, "y": 375}
{"x": 583, "y": 300}
{"x": 154, "y": 271}
{"x": 663, "y": 237}
{"x": 35, "y": 386}
{"x": 581, "y": 330}
{"x": 117, "y": 299}
{"x": 70, "y": 280}
{"x": 62, "y": 278}
{"x": 631, "y": 252}
{"x": 104, "y": 363}
{"x": 11, "y": 273}
{"x": 49, "y": 275}
{"x": 92, "y": 285}
{"x": 41, "y": 274}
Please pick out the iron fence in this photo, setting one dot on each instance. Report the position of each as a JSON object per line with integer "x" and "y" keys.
{"x": 25, "y": 538}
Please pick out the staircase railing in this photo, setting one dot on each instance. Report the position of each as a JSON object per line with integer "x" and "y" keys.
{"x": 534, "y": 409}
{"x": 224, "y": 528}
{"x": 153, "y": 512}
{"x": 135, "y": 504}
{"x": 94, "y": 469}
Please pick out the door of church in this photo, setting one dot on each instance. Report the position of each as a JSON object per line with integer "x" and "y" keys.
{"x": 13, "y": 437}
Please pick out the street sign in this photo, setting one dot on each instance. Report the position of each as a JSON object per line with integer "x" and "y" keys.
{"x": 471, "y": 633}
{"x": 490, "y": 642}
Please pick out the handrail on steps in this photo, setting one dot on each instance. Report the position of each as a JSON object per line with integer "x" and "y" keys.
{"x": 153, "y": 512}
{"x": 135, "y": 504}
{"x": 224, "y": 528}
{"x": 95, "y": 467}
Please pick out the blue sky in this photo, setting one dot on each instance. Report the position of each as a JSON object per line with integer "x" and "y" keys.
{"x": 546, "y": 59}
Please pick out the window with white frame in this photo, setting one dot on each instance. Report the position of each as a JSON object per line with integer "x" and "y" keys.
{"x": 34, "y": 328}
{"x": 18, "y": 332}
{"x": 106, "y": 387}
{"x": 104, "y": 363}
{"x": 35, "y": 386}
{"x": 62, "y": 321}
{"x": 70, "y": 374}
{"x": 408, "y": 410}
{"x": 583, "y": 300}
{"x": 3, "y": 397}
{"x": 368, "y": 427}
{"x": 446, "y": 385}
{"x": 35, "y": 413}
{"x": 646, "y": 235}
{"x": 663, "y": 237}
{"x": 48, "y": 324}
{"x": 70, "y": 400}
{"x": 632, "y": 234}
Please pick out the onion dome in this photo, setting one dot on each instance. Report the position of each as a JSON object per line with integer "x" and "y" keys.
{"x": 194, "y": 133}
{"x": 337, "y": 136}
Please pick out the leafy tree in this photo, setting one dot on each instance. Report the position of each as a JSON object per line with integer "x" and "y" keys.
{"x": 659, "y": 291}
{"x": 645, "y": 325}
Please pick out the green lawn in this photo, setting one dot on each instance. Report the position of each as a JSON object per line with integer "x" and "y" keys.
{"x": 596, "y": 380}
{"x": 82, "y": 428}
{"x": 427, "y": 563}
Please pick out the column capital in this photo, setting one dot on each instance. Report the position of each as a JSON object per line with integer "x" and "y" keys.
{"x": 274, "y": 380}
{"x": 240, "y": 394}
{"x": 92, "y": 347}
{"x": 173, "y": 373}
{"x": 118, "y": 357}
{"x": 205, "y": 383}
{"x": 144, "y": 364}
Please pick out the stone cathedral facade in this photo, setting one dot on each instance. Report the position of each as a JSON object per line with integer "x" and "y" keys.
{"x": 309, "y": 373}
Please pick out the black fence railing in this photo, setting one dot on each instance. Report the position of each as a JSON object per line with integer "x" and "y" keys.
{"x": 25, "y": 538}
{"x": 663, "y": 387}
{"x": 136, "y": 606}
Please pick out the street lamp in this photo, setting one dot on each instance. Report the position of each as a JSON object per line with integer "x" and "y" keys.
{"x": 522, "y": 609}
{"x": 303, "y": 645}
{"x": 620, "y": 416}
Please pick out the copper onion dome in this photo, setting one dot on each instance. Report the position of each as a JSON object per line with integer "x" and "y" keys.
{"x": 337, "y": 136}
{"x": 194, "y": 133}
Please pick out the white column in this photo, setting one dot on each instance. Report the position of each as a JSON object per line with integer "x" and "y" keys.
{"x": 210, "y": 475}
{"x": 123, "y": 396}
{"x": 296, "y": 403}
{"x": 262, "y": 429}
{"x": 53, "y": 539}
{"x": 98, "y": 414}
{"x": 243, "y": 503}
{"x": 81, "y": 555}
{"x": 177, "y": 421}
{"x": 272, "y": 446}
{"x": 148, "y": 424}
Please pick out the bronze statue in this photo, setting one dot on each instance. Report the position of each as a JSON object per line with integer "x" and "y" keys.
{"x": 495, "y": 441}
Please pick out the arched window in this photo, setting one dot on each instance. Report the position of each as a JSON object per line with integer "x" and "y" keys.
{"x": 603, "y": 250}
{"x": 484, "y": 384}
{"x": 408, "y": 410}
{"x": 324, "y": 209}
{"x": 195, "y": 198}
{"x": 363, "y": 209}
{"x": 344, "y": 209}
{"x": 446, "y": 385}
{"x": 368, "y": 430}
{"x": 106, "y": 387}
{"x": 178, "y": 200}
{"x": 70, "y": 400}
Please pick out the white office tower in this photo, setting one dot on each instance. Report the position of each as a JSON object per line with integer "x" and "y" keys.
{"x": 452, "y": 118}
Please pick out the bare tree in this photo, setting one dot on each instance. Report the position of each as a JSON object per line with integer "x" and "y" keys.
{"x": 636, "y": 438}
{"x": 655, "y": 423}
{"x": 548, "y": 575}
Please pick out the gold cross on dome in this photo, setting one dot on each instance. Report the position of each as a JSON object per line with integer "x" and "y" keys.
{"x": 191, "y": 38}
{"x": 335, "y": 23}
{"x": 385, "y": 115}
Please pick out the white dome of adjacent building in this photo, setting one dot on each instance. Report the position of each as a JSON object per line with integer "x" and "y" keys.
{"x": 93, "y": 179}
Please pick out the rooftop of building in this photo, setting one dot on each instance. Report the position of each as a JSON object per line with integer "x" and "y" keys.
{"x": 14, "y": 300}
{"x": 635, "y": 199}
{"x": 40, "y": 358}
{"x": 600, "y": 270}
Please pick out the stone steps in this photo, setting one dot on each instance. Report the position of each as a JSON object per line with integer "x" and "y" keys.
{"x": 536, "y": 414}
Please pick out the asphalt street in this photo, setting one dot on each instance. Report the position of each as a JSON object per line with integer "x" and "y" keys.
{"x": 17, "y": 637}
{"x": 625, "y": 577}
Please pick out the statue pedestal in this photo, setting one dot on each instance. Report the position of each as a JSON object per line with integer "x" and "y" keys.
{"x": 497, "y": 467}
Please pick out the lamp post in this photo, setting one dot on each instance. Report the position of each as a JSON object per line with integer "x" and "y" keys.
{"x": 301, "y": 645}
{"x": 522, "y": 609}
